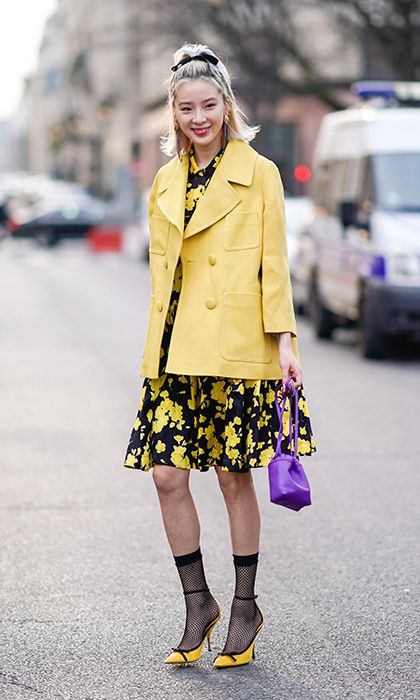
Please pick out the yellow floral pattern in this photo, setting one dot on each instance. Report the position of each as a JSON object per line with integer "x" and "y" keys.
{"x": 198, "y": 179}
{"x": 198, "y": 422}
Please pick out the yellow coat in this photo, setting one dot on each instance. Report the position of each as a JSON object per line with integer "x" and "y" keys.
{"x": 236, "y": 288}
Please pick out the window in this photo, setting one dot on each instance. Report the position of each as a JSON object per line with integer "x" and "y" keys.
{"x": 329, "y": 185}
{"x": 397, "y": 181}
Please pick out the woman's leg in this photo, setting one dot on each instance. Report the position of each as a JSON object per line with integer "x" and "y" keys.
{"x": 244, "y": 521}
{"x": 243, "y": 511}
{"x": 179, "y": 513}
{"x": 182, "y": 528}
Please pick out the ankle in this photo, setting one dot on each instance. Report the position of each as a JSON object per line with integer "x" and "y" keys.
{"x": 197, "y": 590}
{"x": 190, "y": 558}
{"x": 245, "y": 559}
{"x": 241, "y": 597}
{"x": 245, "y": 573}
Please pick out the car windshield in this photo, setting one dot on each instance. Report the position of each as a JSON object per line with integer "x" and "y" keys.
{"x": 397, "y": 181}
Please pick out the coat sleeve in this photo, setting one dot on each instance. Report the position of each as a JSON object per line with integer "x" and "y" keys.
{"x": 152, "y": 195}
{"x": 278, "y": 312}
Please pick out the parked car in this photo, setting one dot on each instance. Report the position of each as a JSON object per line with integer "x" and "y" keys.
{"x": 48, "y": 210}
{"x": 299, "y": 215}
{"x": 136, "y": 232}
{"x": 4, "y": 219}
{"x": 359, "y": 263}
{"x": 56, "y": 218}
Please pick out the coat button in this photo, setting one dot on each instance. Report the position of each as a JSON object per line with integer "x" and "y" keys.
{"x": 159, "y": 306}
{"x": 212, "y": 259}
{"x": 165, "y": 264}
{"x": 211, "y": 303}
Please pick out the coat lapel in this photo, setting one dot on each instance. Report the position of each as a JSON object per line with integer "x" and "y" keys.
{"x": 220, "y": 197}
{"x": 171, "y": 193}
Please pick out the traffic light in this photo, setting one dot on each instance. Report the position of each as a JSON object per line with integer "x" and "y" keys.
{"x": 302, "y": 173}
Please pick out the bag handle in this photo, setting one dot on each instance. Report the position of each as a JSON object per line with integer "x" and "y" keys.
{"x": 289, "y": 393}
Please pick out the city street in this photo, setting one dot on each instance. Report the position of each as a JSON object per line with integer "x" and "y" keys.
{"x": 90, "y": 599}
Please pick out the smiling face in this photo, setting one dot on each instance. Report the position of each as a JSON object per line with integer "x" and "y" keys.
{"x": 199, "y": 109}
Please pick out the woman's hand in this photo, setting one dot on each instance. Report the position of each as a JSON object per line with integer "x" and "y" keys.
{"x": 288, "y": 362}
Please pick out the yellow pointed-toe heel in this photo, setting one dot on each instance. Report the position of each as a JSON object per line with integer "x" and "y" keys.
{"x": 242, "y": 658}
{"x": 182, "y": 656}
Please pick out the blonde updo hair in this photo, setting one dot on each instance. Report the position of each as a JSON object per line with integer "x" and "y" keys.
{"x": 237, "y": 126}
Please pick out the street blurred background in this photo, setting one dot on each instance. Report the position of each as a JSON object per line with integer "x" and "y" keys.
{"x": 89, "y": 599}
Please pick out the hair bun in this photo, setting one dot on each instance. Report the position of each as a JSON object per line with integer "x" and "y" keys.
{"x": 203, "y": 56}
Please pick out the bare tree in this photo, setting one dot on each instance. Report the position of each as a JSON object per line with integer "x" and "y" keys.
{"x": 260, "y": 37}
{"x": 389, "y": 31}
{"x": 277, "y": 50}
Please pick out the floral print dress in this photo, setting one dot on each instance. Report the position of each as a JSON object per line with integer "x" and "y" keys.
{"x": 196, "y": 422}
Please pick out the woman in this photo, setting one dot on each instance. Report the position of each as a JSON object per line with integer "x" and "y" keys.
{"x": 221, "y": 335}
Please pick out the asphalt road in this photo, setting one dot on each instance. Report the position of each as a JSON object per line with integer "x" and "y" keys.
{"x": 90, "y": 599}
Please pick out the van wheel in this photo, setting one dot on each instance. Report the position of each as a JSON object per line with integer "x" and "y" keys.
{"x": 372, "y": 339}
{"x": 322, "y": 319}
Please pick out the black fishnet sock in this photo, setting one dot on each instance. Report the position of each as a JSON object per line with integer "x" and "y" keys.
{"x": 200, "y": 604}
{"x": 245, "y": 615}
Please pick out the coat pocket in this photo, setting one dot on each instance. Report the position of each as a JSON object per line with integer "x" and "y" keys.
{"x": 241, "y": 230}
{"x": 243, "y": 338}
{"x": 159, "y": 234}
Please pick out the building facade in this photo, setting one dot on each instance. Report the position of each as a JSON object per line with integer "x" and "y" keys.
{"x": 82, "y": 105}
{"x": 95, "y": 109}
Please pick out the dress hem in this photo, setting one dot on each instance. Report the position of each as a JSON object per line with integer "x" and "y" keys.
{"x": 234, "y": 470}
{"x": 196, "y": 469}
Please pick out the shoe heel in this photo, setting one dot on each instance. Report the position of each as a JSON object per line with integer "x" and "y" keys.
{"x": 209, "y": 633}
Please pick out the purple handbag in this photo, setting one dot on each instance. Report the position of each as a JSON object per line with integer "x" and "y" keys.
{"x": 289, "y": 485}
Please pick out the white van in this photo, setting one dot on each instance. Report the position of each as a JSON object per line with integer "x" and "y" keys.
{"x": 364, "y": 256}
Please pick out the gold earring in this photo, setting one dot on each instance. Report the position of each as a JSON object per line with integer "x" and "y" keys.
{"x": 178, "y": 140}
{"x": 225, "y": 134}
